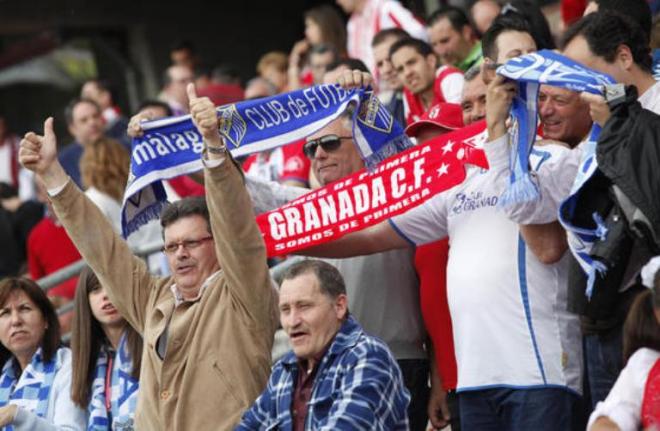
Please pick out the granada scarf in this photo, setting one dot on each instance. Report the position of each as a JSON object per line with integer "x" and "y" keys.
{"x": 365, "y": 198}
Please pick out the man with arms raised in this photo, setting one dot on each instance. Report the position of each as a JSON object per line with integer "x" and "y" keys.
{"x": 207, "y": 329}
{"x": 337, "y": 376}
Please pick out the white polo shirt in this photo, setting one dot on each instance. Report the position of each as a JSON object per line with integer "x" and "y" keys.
{"x": 508, "y": 310}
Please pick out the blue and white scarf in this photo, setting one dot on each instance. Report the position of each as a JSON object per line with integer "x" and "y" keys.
{"x": 171, "y": 147}
{"x": 530, "y": 71}
{"x": 124, "y": 392}
{"x": 31, "y": 389}
{"x": 548, "y": 67}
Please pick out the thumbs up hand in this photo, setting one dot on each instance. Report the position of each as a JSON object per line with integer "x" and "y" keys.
{"x": 38, "y": 153}
{"x": 204, "y": 117}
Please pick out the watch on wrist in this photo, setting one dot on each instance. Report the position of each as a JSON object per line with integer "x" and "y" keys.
{"x": 614, "y": 94}
{"x": 216, "y": 150}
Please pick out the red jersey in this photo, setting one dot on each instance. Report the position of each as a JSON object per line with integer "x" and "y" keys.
{"x": 282, "y": 164}
{"x": 431, "y": 266}
{"x": 447, "y": 88}
{"x": 49, "y": 248}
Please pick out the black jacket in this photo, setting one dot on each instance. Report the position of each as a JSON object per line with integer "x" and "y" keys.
{"x": 625, "y": 192}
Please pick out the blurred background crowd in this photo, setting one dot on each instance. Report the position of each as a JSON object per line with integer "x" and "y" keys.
{"x": 94, "y": 65}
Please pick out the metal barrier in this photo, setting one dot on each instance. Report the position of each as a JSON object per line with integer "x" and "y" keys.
{"x": 70, "y": 271}
{"x": 276, "y": 272}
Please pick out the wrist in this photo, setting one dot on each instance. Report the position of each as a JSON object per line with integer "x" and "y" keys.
{"x": 215, "y": 148}
{"x": 54, "y": 177}
{"x": 214, "y": 140}
{"x": 496, "y": 130}
{"x": 12, "y": 410}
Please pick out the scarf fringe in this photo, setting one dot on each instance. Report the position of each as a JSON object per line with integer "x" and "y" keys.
{"x": 597, "y": 269}
{"x": 152, "y": 212}
{"x": 392, "y": 147}
{"x": 521, "y": 190}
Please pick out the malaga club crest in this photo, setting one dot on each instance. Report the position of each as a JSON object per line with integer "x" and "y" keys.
{"x": 373, "y": 114}
{"x": 231, "y": 125}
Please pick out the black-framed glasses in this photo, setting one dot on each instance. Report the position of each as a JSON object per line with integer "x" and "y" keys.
{"x": 329, "y": 143}
{"x": 188, "y": 244}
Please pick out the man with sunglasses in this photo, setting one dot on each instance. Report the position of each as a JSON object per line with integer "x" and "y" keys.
{"x": 208, "y": 328}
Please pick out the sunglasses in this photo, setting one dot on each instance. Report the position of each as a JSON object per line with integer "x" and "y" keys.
{"x": 329, "y": 143}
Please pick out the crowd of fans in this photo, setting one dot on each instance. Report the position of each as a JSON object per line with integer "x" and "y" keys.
{"x": 459, "y": 312}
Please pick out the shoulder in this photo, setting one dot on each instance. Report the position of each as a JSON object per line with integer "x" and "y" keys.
{"x": 71, "y": 151}
{"x": 445, "y": 71}
{"x": 372, "y": 345}
{"x": 369, "y": 349}
{"x": 643, "y": 358}
{"x": 63, "y": 371}
{"x": 63, "y": 359}
{"x": 43, "y": 227}
{"x": 280, "y": 374}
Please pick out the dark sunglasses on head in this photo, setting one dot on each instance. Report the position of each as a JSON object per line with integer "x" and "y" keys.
{"x": 328, "y": 143}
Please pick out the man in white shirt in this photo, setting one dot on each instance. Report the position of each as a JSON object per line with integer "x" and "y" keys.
{"x": 517, "y": 348}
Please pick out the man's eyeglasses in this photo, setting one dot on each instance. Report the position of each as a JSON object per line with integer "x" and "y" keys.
{"x": 188, "y": 244}
{"x": 328, "y": 143}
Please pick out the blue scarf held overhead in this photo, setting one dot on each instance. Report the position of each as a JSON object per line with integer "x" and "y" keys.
{"x": 530, "y": 71}
{"x": 548, "y": 67}
{"x": 171, "y": 147}
{"x": 31, "y": 389}
{"x": 124, "y": 391}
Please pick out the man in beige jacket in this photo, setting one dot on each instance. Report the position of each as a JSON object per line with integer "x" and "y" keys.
{"x": 208, "y": 329}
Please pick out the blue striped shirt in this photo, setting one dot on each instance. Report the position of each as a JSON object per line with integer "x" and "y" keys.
{"x": 358, "y": 385}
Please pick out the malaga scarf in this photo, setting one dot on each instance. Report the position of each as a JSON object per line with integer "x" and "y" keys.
{"x": 171, "y": 147}
{"x": 365, "y": 198}
{"x": 530, "y": 71}
{"x": 32, "y": 388}
{"x": 548, "y": 67}
{"x": 124, "y": 391}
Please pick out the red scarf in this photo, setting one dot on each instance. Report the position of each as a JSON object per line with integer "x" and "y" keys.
{"x": 363, "y": 199}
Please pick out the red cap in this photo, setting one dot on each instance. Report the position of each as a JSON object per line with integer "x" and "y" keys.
{"x": 444, "y": 115}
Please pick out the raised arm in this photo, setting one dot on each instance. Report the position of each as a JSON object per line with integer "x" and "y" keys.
{"x": 239, "y": 245}
{"x": 125, "y": 276}
{"x": 537, "y": 219}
